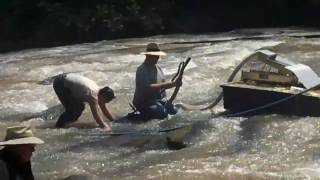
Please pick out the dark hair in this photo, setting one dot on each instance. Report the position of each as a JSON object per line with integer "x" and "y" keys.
{"x": 107, "y": 93}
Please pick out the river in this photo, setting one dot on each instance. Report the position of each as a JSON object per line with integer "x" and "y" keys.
{"x": 260, "y": 147}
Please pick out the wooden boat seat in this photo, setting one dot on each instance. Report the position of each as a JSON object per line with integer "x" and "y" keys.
{"x": 268, "y": 77}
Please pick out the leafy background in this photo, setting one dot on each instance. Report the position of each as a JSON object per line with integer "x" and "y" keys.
{"x": 42, "y": 23}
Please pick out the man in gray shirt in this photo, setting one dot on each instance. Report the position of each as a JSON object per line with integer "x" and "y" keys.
{"x": 151, "y": 85}
{"x": 74, "y": 90}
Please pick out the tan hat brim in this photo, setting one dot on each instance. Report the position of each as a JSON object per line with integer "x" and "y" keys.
{"x": 155, "y": 53}
{"x": 27, "y": 140}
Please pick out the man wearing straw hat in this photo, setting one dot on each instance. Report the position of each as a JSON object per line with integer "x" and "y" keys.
{"x": 19, "y": 144}
{"x": 149, "y": 96}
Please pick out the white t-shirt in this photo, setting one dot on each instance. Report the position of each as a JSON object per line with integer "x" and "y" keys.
{"x": 81, "y": 87}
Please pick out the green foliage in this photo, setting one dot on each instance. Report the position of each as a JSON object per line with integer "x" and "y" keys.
{"x": 105, "y": 18}
{"x": 29, "y": 22}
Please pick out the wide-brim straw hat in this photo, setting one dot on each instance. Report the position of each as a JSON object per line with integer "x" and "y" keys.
{"x": 153, "y": 49}
{"x": 20, "y": 135}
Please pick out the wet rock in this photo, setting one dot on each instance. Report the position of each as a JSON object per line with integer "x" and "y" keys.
{"x": 175, "y": 145}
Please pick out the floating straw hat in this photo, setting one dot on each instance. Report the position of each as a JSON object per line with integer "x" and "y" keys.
{"x": 20, "y": 135}
{"x": 153, "y": 49}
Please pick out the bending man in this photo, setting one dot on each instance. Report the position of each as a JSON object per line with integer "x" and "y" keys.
{"x": 149, "y": 96}
{"x": 74, "y": 90}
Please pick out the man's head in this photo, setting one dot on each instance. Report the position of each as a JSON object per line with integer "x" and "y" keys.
{"x": 21, "y": 141}
{"x": 152, "y": 59}
{"x": 153, "y": 53}
{"x": 153, "y": 49}
{"x": 24, "y": 151}
{"x": 106, "y": 94}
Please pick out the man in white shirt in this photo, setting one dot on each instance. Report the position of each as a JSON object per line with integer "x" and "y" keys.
{"x": 74, "y": 90}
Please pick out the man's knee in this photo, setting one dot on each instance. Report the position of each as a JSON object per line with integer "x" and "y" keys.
{"x": 159, "y": 112}
{"x": 162, "y": 115}
{"x": 77, "y": 111}
{"x": 170, "y": 109}
{"x": 70, "y": 115}
{"x": 63, "y": 119}
{"x": 60, "y": 124}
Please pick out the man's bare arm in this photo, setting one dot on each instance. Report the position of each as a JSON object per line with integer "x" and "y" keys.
{"x": 106, "y": 112}
{"x": 94, "y": 109}
{"x": 165, "y": 85}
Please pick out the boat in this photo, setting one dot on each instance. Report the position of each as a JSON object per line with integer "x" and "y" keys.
{"x": 270, "y": 83}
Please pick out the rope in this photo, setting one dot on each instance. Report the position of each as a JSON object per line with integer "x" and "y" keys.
{"x": 230, "y": 79}
{"x": 148, "y": 133}
{"x": 219, "y": 98}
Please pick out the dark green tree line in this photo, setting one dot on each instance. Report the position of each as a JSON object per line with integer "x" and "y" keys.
{"x": 38, "y": 23}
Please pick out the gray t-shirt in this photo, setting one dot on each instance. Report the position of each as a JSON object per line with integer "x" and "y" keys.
{"x": 146, "y": 75}
{"x": 81, "y": 87}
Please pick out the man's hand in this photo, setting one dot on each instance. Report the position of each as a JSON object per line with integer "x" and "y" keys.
{"x": 178, "y": 82}
{"x": 107, "y": 129}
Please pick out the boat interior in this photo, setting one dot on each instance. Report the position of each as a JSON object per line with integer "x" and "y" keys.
{"x": 266, "y": 70}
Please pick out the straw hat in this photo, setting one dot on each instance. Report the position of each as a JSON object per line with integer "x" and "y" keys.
{"x": 153, "y": 49}
{"x": 20, "y": 135}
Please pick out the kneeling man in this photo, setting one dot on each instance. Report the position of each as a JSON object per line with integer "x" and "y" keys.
{"x": 150, "y": 94}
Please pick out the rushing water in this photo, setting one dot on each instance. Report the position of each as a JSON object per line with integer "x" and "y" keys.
{"x": 260, "y": 147}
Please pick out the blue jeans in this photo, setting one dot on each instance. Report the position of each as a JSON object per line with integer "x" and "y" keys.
{"x": 158, "y": 110}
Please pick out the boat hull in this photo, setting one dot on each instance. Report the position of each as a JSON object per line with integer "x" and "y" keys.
{"x": 242, "y": 98}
